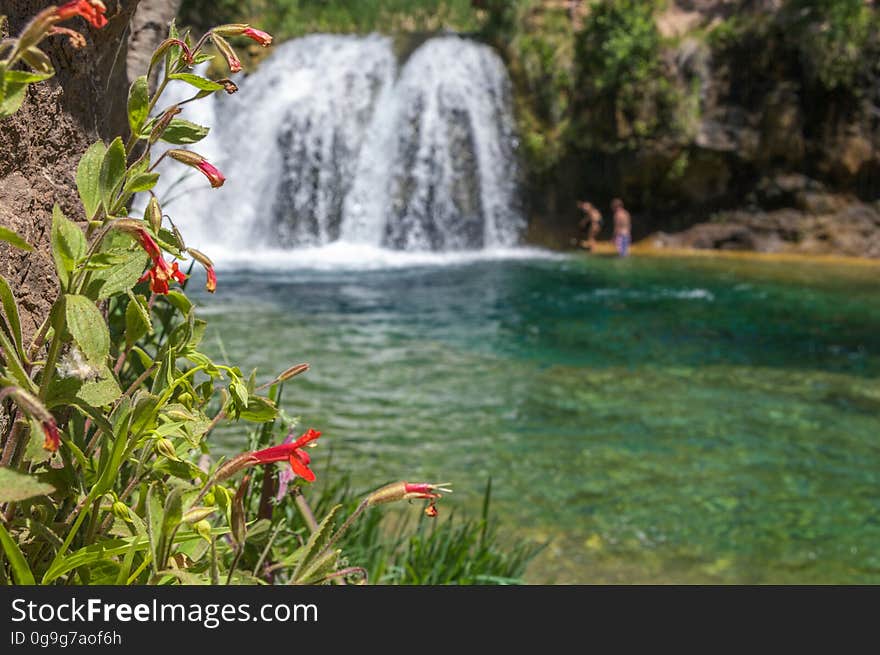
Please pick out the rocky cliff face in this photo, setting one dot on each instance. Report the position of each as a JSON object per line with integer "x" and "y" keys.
{"x": 763, "y": 137}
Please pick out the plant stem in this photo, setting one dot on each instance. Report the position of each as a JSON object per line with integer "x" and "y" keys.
{"x": 305, "y": 510}
{"x": 11, "y": 442}
{"x": 345, "y": 526}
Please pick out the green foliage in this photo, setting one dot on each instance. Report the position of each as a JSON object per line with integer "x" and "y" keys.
{"x": 623, "y": 89}
{"x": 9, "y": 236}
{"x": 834, "y": 38}
{"x": 619, "y": 45}
{"x": 292, "y": 18}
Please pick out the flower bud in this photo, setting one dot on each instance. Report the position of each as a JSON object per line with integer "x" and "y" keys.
{"x": 292, "y": 372}
{"x": 196, "y": 514}
{"x": 407, "y": 491}
{"x": 33, "y": 407}
{"x": 153, "y": 214}
{"x": 215, "y": 177}
{"x": 228, "y": 85}
{"x": 120, "y": 510}
{"x": 226, "y": 50}
{"x": 165, "y": 448}
{"x": 163, "y": 123}
{"x": 230, "y": 29}
{"x": 205, "y": 261}
{"x": 259, "y": 36}
{"x": 204, "y": 529}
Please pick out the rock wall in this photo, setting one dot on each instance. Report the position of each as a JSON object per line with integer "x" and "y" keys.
{"x": 752, "y": 133}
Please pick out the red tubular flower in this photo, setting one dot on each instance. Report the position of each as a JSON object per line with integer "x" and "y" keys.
{"x": 408, "y": 491}
{"x": 149, "y": 244}
{"x": 420, "y": 490}
{"x": 204, "y": 260}
{"x": 214, "y": 176}
{"x": 233, "y": 62}
{"x": 211, "y": 285}
{"x": 53, "y": 439}
{"x": 92, "y": 10}
{"x": 298, "y": 458}
{"x": 160, "y": 273}
{"x": 195, "y": 160}
{"x": 258, "y": 35}
{"x": 292, "y": 452}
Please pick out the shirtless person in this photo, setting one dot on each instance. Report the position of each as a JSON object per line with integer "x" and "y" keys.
{"x": 622, "y": 224}
{"x": 594, "y": 219}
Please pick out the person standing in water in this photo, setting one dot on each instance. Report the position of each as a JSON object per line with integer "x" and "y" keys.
{"x": 592, "y": 222}
{"x": 622, "y": 227}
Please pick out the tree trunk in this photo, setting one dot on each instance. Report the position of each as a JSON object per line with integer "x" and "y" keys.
{"x": 41, "y": 144}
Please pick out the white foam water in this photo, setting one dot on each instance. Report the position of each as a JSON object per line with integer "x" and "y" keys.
{"x": 328, "y": 143}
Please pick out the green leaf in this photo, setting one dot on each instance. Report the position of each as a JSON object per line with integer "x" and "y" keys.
{"x": 10, "y": 308}
{"x": 259, "y": 410}
{"x": 13, "y": 363}
{"x": 173, "y": 53}
{"x": 180, "y": 301}
{"x": 88, "y": 175}
{"x": 171, "y": 518}
{"x": 12, "y": 100}
{"x": 21, "y": 572}
{"x": 23, "y": 77}
{"x": 124, "y": 275}
{"x": 201, "y": 57}
{"x": 100, "y": 392}
{"x": 239, "y": 392}
{"x": 68, "y": 245}
{"x": 141, "y": 182}
{"x": 138, "y": 103}
{"x": 197, "y": 81}
{"x": 319, "y": 568}
{"x": 88, "y": 329}
{"x": 112, "y": 174}
{"x": 181, "y": 132}
{"x": 102, "y": 261}
{"x": 137, "y": 320}
{"x": 317, "y": 542}
{"x": 144, "y": 415}
{"x": 15, "y": 486}
{"x": 111, "y": 468}
{"x": 11, "y": 237}
{"x": 38, "y": 60}
{"x": 98, "y": 552}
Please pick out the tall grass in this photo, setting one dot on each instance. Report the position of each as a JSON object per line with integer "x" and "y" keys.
{"x": 454, "y": 550}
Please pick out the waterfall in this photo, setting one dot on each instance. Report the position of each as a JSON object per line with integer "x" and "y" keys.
{"x": 329, "y": 141}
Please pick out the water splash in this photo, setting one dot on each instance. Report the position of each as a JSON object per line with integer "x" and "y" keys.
{"x": 326, "y": 143}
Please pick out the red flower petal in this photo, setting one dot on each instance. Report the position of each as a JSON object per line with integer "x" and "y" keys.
{"x": 301, "y": 468}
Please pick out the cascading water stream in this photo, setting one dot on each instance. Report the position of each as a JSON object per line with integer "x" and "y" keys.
{"x": 328, "y": 143}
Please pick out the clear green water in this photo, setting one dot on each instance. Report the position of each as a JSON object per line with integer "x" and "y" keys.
{"x": 657, "y": 420}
